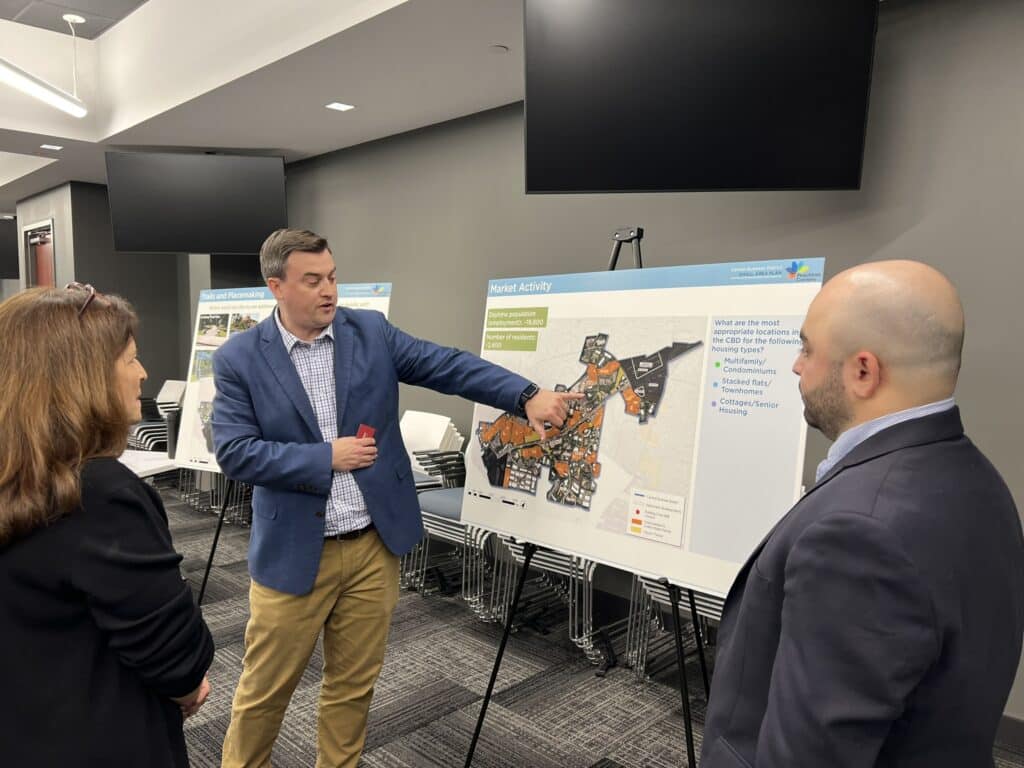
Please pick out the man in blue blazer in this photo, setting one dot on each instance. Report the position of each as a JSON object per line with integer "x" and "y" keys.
{"x": 334, "y": 504}
{"x": 880, "y": 622}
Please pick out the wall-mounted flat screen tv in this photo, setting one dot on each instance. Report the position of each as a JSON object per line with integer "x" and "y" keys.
{"x": 687, "y": 95}
{"x": 168, "y": 202}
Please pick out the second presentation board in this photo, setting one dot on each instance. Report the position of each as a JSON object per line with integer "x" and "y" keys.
{"x": 221, "y": 313}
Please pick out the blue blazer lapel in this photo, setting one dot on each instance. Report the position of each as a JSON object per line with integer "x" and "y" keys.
{"x": 343, "y": 346}
{"x": 272, "y": 347}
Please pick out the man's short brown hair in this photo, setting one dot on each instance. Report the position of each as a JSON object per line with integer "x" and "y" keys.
{"x": 275, "y": 249}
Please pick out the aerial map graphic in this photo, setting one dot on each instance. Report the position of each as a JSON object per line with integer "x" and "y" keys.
{"x": 514, "y": 454}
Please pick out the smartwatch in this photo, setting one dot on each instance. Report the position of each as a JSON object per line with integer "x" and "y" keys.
{"x": 524, "y": 396}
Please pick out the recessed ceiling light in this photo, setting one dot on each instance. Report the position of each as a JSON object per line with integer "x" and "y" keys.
{"x": 339, "y": 106}
{"x": 54, "y": 147}
{"x": 7, "y": 216}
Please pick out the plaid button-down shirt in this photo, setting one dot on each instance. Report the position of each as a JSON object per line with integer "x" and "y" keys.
{"x": 314, "y": 362}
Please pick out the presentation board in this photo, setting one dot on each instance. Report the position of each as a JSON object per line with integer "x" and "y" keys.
{"x": 221, "y": 313}
{"x": 689, "y": 443}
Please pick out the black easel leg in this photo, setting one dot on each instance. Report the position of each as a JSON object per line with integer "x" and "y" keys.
{"x": 684, "y": 689}
{"x": 228, "y": 489}
{"x": 528, "y": 550}
{"x": 614, "y": 260}
{"x": 700, "y": 646}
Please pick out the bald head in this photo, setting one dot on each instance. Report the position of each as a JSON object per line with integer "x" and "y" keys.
{"x": 907, "y": 314}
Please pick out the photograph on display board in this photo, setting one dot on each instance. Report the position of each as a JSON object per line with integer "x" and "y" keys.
{"x": 243, "y": 321}
{"x": 200, "y": 431}
{"x": 212, "y": 330}
{"x": 202, "y": 365}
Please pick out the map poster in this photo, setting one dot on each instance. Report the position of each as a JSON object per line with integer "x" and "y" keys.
{"x": 688, "y": 444}
{"x": 221, "y": 313}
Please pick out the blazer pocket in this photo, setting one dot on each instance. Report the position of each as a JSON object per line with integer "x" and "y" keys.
{"x": 723, "y": 755}
{"x": 268, "y": 513}
{"x": 762, "y": 596}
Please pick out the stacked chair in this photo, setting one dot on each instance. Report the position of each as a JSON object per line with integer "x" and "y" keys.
{"x": 440, "y": 492}
{"x": 150, "y": 434}
{"x": 487, "y": 565}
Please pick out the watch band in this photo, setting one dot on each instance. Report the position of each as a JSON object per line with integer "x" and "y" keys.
{"x": 524, "y": 396}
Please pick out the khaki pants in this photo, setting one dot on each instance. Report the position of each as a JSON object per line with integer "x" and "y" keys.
{"x": 355, "y": 593}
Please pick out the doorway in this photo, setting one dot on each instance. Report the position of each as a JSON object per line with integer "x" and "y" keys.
{"x": 41, "y": 266}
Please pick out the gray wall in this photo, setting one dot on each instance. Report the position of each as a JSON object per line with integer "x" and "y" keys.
{"x": 84, "y": 251}
{"x": 442, "y": 210}
{"x": 53, "y": 204}
{"x": 148, "y": 280}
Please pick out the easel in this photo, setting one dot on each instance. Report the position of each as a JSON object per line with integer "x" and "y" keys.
{"x": 684, "y": 687}
{"x": 635, "y": 235}
{"x": 229, "y": 489}
{"x": 626, "y": 235}
{"x": 528, "y": 552}
{"x": 622, "y": 235}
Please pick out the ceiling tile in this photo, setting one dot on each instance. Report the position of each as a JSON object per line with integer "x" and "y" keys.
{"x": 108, "y": 9}
{"x": 48, "y": 16}
{"x": 11, "y": 8}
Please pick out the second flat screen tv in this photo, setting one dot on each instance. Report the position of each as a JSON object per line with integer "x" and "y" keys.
{"x": 167, "y": 202}
{"x": 676, "y": 95}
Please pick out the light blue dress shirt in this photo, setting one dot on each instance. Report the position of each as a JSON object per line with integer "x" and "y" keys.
{"x": 854, "y": 436}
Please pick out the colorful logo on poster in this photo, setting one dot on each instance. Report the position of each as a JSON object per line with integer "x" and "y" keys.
{"x": 797, "y": 268}
{"x": 377, "y": 290}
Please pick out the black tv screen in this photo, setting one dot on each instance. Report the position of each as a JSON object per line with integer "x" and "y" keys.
{"x": 8, "y": 249}
{"x": 680, "y": 95}
{"x": 194, "y": 203}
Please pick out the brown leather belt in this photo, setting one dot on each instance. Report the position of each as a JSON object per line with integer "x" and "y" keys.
{"x": 349, "y": 534}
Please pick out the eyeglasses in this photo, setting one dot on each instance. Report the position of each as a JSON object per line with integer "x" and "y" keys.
{"x": 82, "y": 287}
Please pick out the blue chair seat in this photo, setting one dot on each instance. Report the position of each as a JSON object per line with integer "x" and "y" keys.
{"x": 443, "y": 502}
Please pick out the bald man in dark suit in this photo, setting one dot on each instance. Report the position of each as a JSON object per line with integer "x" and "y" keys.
{"x": 880, "y": 622}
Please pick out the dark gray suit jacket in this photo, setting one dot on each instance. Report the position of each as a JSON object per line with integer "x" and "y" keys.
{"x": 880, "y": 622}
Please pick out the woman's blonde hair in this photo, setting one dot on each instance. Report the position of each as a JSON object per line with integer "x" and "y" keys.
{"x": 59, "y": 398}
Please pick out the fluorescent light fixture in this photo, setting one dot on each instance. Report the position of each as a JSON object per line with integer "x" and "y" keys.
{"x": 54, "y": 147}
{"x": 40, "y": 89}
{"x": 339, "y": 106}
{"x": 7, "y": 216}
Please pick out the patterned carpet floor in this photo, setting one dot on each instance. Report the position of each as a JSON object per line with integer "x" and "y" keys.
{"x": 549, "y": 709}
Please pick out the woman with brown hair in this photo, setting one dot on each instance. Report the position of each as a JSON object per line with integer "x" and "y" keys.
{"x": 102, "y": 649}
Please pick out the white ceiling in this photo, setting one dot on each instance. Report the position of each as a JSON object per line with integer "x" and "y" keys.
{"x": 258, "y": 83}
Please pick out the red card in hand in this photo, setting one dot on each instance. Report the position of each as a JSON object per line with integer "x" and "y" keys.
{"x": 365, "y": 431}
